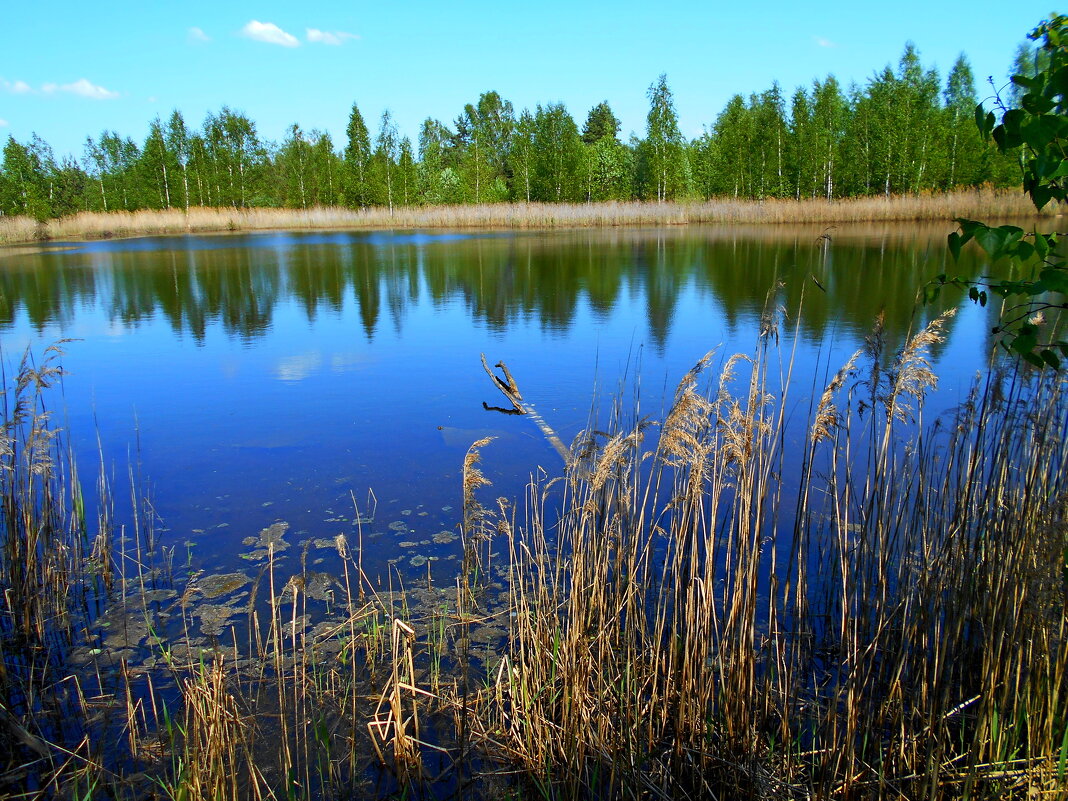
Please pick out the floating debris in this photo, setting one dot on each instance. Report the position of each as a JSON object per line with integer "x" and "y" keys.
{"x": 214, "y": 617}
{"x": 272, "y": 535}
{"x": 406, "y": 512}
{"x": 446, "y": 508}
{"x": 407, "y": 544}
{"x": 398, "y": 525}
{"x": 154, "y": 596}
{"x": 320, "y": 586}
{"x": 444, "y": 537}
{"x": 417, "y": 561}
{"x": 221, "y": 584}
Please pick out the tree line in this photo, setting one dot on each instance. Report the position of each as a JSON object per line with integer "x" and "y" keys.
{"x": 902, "y": 132}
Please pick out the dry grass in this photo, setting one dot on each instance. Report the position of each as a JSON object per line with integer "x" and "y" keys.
{"x": 535, "y": 216}
{"x": 891, "y": 627}
{"x": 876, "y": 614}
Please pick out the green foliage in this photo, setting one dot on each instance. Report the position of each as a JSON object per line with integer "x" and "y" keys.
{"x": 600, "y": 124}
{"x": 663, "y": 168}
{"x": 357, "y": 160}
{"x": 1038, "y": 130}
{"x": 899, "y": 133}
{"x": 557, "y": 155}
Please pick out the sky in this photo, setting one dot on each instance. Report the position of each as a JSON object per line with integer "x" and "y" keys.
{"x": 72, "y": 69}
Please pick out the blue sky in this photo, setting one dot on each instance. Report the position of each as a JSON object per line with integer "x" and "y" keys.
{"x": 69, "y": 69}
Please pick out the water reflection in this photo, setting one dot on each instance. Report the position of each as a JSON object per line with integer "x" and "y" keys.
{"x": 265, "y": 378}
{"x": 839, "y": 284}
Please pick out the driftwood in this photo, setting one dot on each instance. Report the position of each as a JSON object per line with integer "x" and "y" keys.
{"x": 510, "y": 390}
{"x": 507, "y": 385}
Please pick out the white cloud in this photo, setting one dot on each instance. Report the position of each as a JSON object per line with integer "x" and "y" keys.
{"x": 3, "y": 123}
{"x": 16, "y": 87}
{"x": 196, "y": 34}
{"x": 820, "y": 41}
{"x": 334, "y": 38}
{"x": 270, "y": 33}
{"x": 82, "y": 88}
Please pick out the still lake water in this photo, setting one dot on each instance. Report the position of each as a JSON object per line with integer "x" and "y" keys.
{"x": 255, "y": 378}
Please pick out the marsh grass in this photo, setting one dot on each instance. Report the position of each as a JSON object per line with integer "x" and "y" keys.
{"x": 694, "y": 609}
{"x": 51, "y": 579}
{"x": 987, "y": 203}
{"x": 893, "y": 628}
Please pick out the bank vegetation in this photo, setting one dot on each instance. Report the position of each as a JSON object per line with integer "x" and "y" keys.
{"x": 987, "y": 204}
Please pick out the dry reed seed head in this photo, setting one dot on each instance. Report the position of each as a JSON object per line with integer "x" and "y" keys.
{"x": 724, "y": 396}
{"x": 342, "y": 546}
{"x": 614, "y": 456}
{"x": 681, "y": 437}
{"x": 472, "y": 476}
{"x": 827, "y": 416}
{"x": 911, "y": 374}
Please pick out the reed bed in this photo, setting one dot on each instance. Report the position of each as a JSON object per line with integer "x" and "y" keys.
{"x": 53, "y": 573}
{"x": 696, "y": 608}
{"x": 697, "y": 623}
{"x": 986, "y": 203}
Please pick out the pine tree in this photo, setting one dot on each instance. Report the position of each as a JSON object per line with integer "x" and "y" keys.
{"x": 385, "y": 160}
{"x": 357, "y": 160}
{"x": 600, "y": 123}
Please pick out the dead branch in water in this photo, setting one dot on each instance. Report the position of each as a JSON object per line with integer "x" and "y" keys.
{"x": 507, "y": 385}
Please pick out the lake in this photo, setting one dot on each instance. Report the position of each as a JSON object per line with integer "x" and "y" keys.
{"x": 247, "y": 379}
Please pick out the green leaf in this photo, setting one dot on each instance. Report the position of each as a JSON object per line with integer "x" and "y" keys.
{"x": 1025, "y": 344}
{"x": 1040, "y": 196}
{"x": 1012, "y": 121}
{"x": 1055, "y": 279}
{"x": 991, "y": 240}
{"x": 1040, "y": 132}
{"x": 1035, "y": 103}
{"x": 1061, "y": 171}
{"x": 1032, "y": 358}
{"x": 1051, "y": 358}
{"x": 1042, "y": 245}
{"x": 984, "y": 121}
{"x": 955, "y": 243}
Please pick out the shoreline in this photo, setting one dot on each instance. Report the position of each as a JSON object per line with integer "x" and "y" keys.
{"x": 1001, "y": 204}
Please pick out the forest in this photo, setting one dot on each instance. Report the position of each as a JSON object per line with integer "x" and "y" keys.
{"x": 903, "y": 132}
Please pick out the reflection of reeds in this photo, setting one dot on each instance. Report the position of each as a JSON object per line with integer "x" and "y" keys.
{"x": 987, "y": 204}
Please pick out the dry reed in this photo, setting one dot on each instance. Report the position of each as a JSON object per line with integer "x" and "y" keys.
{"x": 879, "y": 615}
{"x": 986, "y": 203}
{"x": 677, "y": 633}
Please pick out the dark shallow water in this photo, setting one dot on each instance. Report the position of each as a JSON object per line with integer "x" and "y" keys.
{"x": 255, "y": 378}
